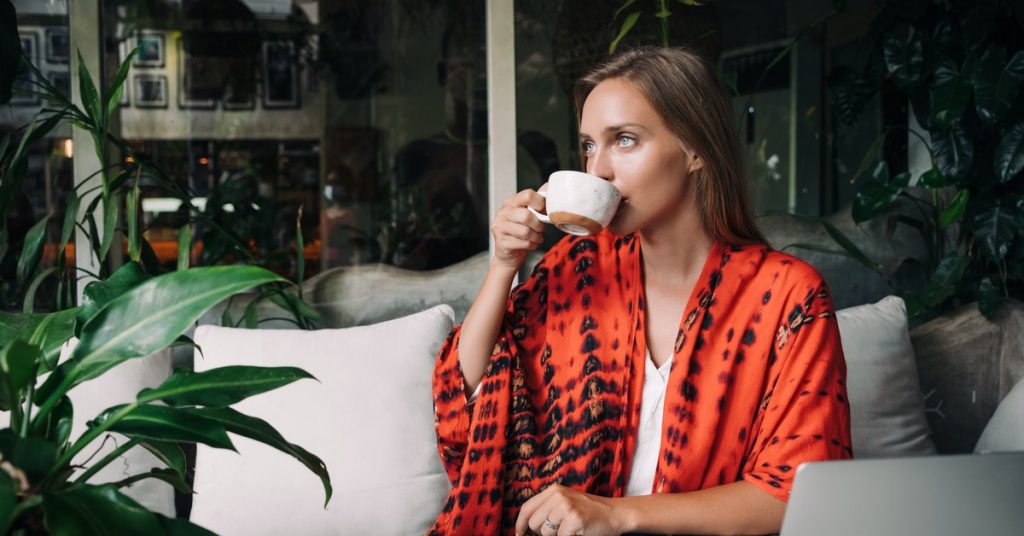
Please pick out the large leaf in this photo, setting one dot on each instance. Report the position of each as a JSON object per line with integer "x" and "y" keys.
{"x": 31, "y": 250}
{"x": 59, "y": 329}
{"x": 1009, "y": 159}
{"x": 260, "y": 430}
{"x": 152, "y": 315}
{"x": 98, "y": 294}
{"x": 18, "y": 363}
{"x": 933, "y": 178}
{"x": 116, "y": 88}
{"x": 90, "y": 96}
{"x": 32, "y": 455}
{"x": 954, "y": 151}
{"x": 989, "y": 295}
{"x": 905, "y": 60}
{"x": 950, "y": 95}
{"x": 169, "y": 453}
{"x": 70, "y": 217}
{"x": 111, "y": 211}
{"x": 97, "y": 511}
{"x": 878, "y": 193}
{"x": 955, "y": 211}
{"x": 997, "y": 83}
{"x": 8, "y": 500}
{"x": 945, "y": 280}
{"x": 994, "y": 229}
{"x": 10, "y": 49}
{"x": 221, "y": 386}
{"x": 162, "y": 423}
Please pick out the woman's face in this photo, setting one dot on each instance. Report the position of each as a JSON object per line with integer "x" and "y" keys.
{"x": 626, "y": 142}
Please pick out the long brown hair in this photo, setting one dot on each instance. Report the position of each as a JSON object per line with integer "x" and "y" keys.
{"x": 688, "y": 95}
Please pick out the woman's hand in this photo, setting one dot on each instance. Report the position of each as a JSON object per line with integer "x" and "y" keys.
{"x": 560, "y": 511}
{"x": 516, "y": 231}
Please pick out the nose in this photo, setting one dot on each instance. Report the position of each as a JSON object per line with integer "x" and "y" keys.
{"x": 599, "y": 163}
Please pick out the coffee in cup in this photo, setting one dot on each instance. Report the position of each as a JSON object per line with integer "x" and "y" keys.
{"x": 579, "y": 203}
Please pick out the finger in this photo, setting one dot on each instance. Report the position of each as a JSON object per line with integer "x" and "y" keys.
{"x": 521, "y": 199}
{"x": 525, "y": 217}
{"x": 511, "y": 246}
{"x": 519, "y": 230}
{"x": 541, "y": 522}
{"x": 529, "y": 508}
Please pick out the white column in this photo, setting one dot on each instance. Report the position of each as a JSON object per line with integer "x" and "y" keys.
{"x": 84, "y": 37}
{"x": 501, "y": 104}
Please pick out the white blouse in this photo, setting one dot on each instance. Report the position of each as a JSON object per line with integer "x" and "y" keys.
{"x": 652, "y": 411}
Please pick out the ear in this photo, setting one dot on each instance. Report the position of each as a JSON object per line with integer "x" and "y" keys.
{"x": 696, "y": 162}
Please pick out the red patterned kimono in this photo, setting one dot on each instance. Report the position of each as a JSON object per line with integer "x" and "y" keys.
{"x": 757, "y": 384}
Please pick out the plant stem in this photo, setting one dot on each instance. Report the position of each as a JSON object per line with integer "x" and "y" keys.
{"x": 103, "y": 462}
{"x": 48, "y": 405}
{"x": 88, "y": 437}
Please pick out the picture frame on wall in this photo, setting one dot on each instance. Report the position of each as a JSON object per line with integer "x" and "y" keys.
{"x": 191, "y": 96}
{"x": 57, "y": 46}
{"x": 150, "y": 91}
{"x": 23, "y": 79}
{"x": 238, "y": 101}
{"x": 150, "y": 45}
{"x": 280, "y": 75}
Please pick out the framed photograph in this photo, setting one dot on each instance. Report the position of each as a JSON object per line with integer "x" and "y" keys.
{"x": 151, "y": 49}
{"x": 191, "y": 71}
{"x": 62, "y": 80}
{"x": 150, "y": 91}
{"x": 57, "y": 45}
{"x": 22, "y": 80}
{"x": 280, "y": 75}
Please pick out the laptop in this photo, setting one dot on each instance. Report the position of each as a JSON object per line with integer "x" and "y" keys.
{"x": 934, "y": 495}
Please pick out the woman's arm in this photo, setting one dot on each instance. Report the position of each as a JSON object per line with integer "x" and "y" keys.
{"x": 516, "y": 233}
{"x": 736, "y": 508}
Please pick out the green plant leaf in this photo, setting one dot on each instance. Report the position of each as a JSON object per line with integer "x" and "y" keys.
{"x": 3, "y": 238}
{"x": 627, "y": 25}
{"x": 997, "y": 83}
{"x": 32, "y": 250}
{"x": 978, "y": 24}
{"x": 8, "y": 500}
{"x": 1009, "y": 159}
{"x": 33, "y": 455}
{"x": 878, "y": 194}
{"x": 132, "y": 215}
{"x": 10, "y": 50}
{"x": 62, "y": 418}
{"x": 98, "y": 294}
{"x": 96, "y": 511}
{"x": 944, "y": 281}
{"x": 850, "y": 247}
{"x": 163, "y": 423}
{"x": 955, "y": 211}
{"x": 950, "y": 95}
{"x": 994, "y": 229}
{"x": 989, "y": 296}
{"x": 220, "y": 386}
{"x": 933, "y": 178}
{"x": 184, "y": 246}
{"x": 622, "y": 8}
{"x": 111, "y": 210}
{"x": 182, "y": 527}
{"x": 152, "y": 315}
{"x": 252, "y": 319}
{"x": 290, "y": 302}
{"x": 260, "y": 430}
{"x": 166, "y": 475}
{"x": 90, "y": 96}
{"x": 117, "y": 85}
{"x": 905, "y": 60}
{"x": 954, "y": 151}
{"x": 70, "y": 217}
{"x": 18, "y": 363}
{"x": 30, "y": 294}
{"x": 59, "y": 329}
{"x": 168, "y": 453}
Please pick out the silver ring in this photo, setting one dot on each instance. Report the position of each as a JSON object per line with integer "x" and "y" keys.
{"x": 550, "y": 525}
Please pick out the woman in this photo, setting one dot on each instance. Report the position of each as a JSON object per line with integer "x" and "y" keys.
{"x": 667, "y": 375}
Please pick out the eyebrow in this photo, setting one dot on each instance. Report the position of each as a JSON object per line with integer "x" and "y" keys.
{"x": 613, "y": 128}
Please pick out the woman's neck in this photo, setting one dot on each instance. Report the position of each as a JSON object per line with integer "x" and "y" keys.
{"x": 674, "y": 253}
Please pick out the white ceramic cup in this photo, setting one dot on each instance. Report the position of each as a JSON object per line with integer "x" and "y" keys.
{"x": 579, "y": 203}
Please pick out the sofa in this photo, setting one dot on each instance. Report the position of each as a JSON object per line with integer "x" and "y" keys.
{"x": 952, "y": 385}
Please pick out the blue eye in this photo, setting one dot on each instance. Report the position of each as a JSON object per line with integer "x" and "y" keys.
{"x": 626, "y": 141}
{"x": 587, "y": 146}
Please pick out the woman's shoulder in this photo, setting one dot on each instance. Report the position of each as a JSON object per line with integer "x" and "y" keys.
{"x": 775, "y": 264}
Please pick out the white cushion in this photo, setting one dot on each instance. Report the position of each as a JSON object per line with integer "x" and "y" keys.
{"x": 886, "y": 407}
{"x": 1005, "y": 430}
{"x": 369, "y": 418}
